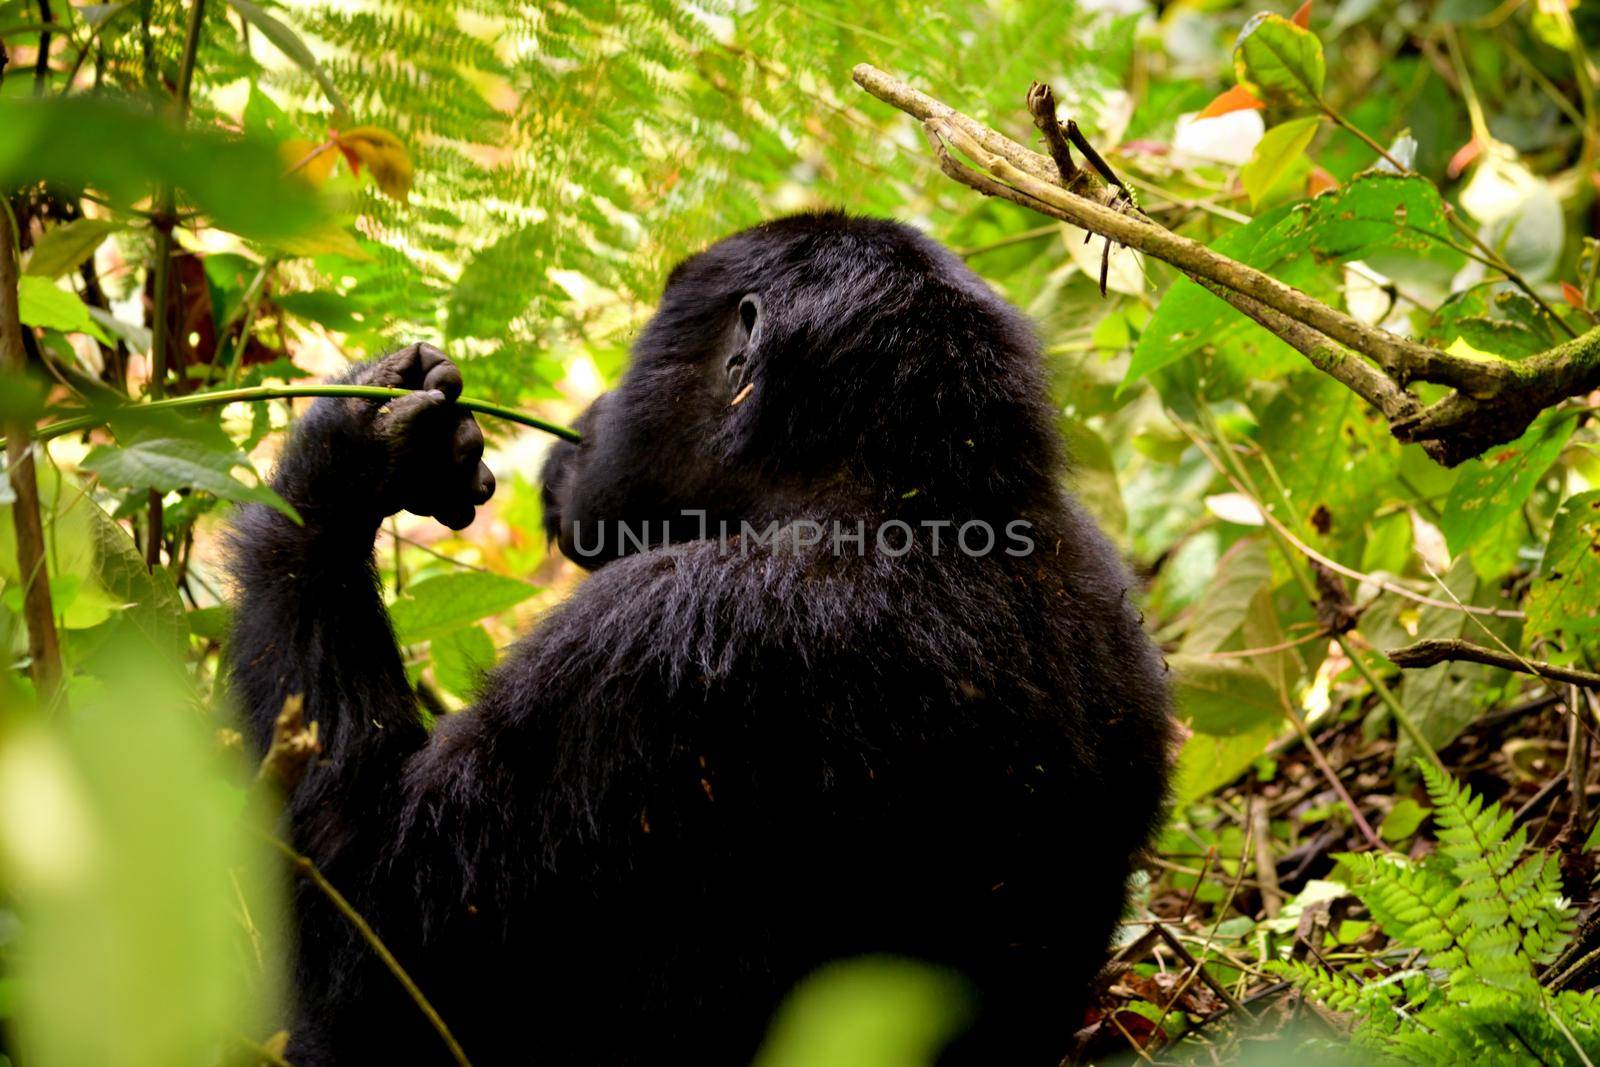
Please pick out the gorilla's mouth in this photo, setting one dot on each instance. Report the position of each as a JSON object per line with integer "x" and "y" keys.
{"x": 737, "y": 372}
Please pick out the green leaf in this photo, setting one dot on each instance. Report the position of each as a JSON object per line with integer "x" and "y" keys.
{"x": 437, "y": 606}
{"x": 1492, "y": 487}
{"x": 1093, "y": 478}
{"x": 1566, "y": 595}
{"x": 1208, "y": 762}
{"x": 126, "y": 152}
{"x": 289, "y": 43}
{"x": 1373, "y": 213}
{"x": 1222, "y": 697}
{"x": 1403, "y": 820}
{"x": 40, "y": 302}
{"x": 62, "y": 248}
{"x": 1277, "y": 150}
{"x": 168, "y": 463}
{"x": 1279, "y": 62}
{"x": 1241, "y": 573}
{"x": 461, "y": 658}
{"x": 333, "y": 310}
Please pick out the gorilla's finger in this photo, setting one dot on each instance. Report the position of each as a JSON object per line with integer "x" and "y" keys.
{"x": 483, "y": 486}
{"x": 443, "y": 376}
{"x": 467, "y": 443}
{"x": 401, "y": 412}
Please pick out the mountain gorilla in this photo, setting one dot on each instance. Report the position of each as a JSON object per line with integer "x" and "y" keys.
{"x": 806, "y": 709}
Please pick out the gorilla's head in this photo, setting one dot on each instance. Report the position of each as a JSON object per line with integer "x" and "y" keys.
{"x": 817, "y": 363}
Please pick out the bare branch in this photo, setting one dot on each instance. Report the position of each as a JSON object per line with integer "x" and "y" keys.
{"x": 1494, "y": 401}
{"x": 1433, "y": 651}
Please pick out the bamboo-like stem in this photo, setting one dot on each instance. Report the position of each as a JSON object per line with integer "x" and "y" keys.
{"x": 44, "y": 649}
{"x": 260, "y": 393}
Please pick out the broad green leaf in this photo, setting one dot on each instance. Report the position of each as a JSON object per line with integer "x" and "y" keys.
{"x": 437, "y": 606}
{"x": 1277, "y": 150}
{"x": 1220, "y": 612}
{"x": 1209, "y": 762}
{"x": 1279, "y": 62}
{"x": 152, "y": 619}
{"x": 63, "y": 247}
{"x": 127, "y": 864}
{"x": 213, "y": 623}
{"x": 1093, "y": 478}
{"x": 333, "y": 310}
{"x": 1403, "y": 820}
{"x": 1495, "y": 485}
{"x": 169, "y": 463}
{"x": 289, "y": 43}
{"x": 1566, "y": 595}
{"x": 1222, "y": 697}
{"x": 1331, "y": 453}
{"x": 40, "y": 302}
{"x": 125, "y": 152}
{"x": 1445, "y": 698}
{"x": 460, "y": 659}
{"x": 875, "y": 1011}
{"x": 67, "y": 512}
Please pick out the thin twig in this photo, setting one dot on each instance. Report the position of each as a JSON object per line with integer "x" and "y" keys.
{"x": 309, "y": 871}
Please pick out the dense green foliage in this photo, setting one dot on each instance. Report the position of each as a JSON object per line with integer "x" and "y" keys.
{"x": 514, "y": 181}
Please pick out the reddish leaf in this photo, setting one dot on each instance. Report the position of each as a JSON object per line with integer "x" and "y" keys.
{"x": 1320, "y": 181}
{"x": 1302, "y": 17}
{"x": 1236, "y": 99}
{"x": 1573, "y": 295}
{"x": 1464, "y": 157}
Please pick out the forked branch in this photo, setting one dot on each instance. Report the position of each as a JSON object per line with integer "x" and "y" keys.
{"x": 1493, "y": 400}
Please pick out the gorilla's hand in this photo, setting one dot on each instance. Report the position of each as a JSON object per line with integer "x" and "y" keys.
{"x": 432, "y": 450}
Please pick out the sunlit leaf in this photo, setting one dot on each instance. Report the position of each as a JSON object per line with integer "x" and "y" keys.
{"x": 1237, "y": 98}
{"x": 384, "y": 155}
{"x": 41, "y": 302}
{"x": 1494, "y": 485}
{"x": 63, "y": 247}
{"x": 439, "y": 605}
{"x": 1223, "y": 696}
{"x": 1280, "y": 62}
{"x": 289, "y": 43}
{"x": 461, "y": 658}
{"x": 1281, "y": 147}
{"x": 125, "y": 151}
{"x": 1566, "y": 594}
{"x": 167, "y": 464}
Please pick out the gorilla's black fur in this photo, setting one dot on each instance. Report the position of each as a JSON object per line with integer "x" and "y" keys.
{"x": 720, "y": 764}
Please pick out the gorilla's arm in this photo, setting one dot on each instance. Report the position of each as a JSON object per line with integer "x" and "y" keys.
{"x": 309, "y": 615}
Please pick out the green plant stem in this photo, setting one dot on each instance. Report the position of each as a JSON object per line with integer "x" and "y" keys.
{"x": 1241, "y": 478}
{"x": 264, "y": 392}
{"x": 308, "y": 870}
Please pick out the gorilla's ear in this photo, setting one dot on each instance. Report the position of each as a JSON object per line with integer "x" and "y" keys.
{"x": 749, "y": 314}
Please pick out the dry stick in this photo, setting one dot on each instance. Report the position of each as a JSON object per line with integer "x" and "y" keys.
{"x": 1365, "y": 380}
{"x": 1266, "y": 868}
{"x": 1494, "y": 402}
{"x": 44, "y": 649}
{"x": 1431, "y": 651}
{"x": 308, "y": 870}
{"x": 1034, "y": 174}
